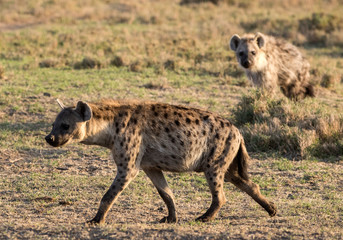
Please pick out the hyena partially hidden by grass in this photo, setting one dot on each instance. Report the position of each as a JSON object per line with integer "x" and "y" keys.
{"x": 269, "y": 62}
{"x": 158, "y": 137}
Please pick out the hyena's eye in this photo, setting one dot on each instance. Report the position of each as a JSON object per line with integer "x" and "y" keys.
{"x": 64, "y": 126}
{"x": 253, "y": 53}
{"x": 241, "y": 53}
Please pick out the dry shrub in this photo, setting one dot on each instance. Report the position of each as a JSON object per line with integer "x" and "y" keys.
{"x": 169, "y": 64}
{"x": 87, "y": 63}
{"x": 286, "y": 28}
{"x": 48, "y": 63}
{"x": 137, "y": 66}
{"x": 330, "y": 137}
{"x": 316, "y": 76}
{"x": 321, "y": 28}
{"x": 148, "y": 20}
{"x": 329, "y": 80}
{"x": 320, "y": 21}
{"x": 160, "y": 84}
{"x": 120, "y": 61}
{"x": 294, "y": 129}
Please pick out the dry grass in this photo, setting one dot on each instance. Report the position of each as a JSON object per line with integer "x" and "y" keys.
{"x": 295, "y": 129}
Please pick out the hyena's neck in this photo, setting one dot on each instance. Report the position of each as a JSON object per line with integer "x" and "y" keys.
{"x": 256, "y": 77}
{"x": 99, "y": 132}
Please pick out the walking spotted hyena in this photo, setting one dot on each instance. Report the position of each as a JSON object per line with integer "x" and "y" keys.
{"x": 158, "y": 137}
{"x": 269, "y": 62}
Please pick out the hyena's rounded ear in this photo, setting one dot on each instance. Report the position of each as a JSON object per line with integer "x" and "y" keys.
{"x": 259, "y": 39}
{"x": 234, "y": 41}
{"x": 84, "y": 110}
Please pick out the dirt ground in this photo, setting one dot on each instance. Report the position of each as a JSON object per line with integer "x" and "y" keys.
{"x": 40, "y": 200}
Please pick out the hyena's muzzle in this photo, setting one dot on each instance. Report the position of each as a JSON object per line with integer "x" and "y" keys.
{"x": 51, "y": 139}
{"x": 244, "y": 60}
{"x": 59, "y": 135}
{"x": 55, "y": 141}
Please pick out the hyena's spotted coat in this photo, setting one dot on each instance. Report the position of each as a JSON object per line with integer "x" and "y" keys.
{"x": 271, "y": 62}
{"x": 158, "y": 137}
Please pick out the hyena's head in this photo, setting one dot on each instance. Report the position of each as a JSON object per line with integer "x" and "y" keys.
{"x": 248, "y": 50}
{"x": 70, "y": 124}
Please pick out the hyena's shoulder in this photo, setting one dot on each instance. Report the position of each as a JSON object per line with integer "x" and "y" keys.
{"x": 281, "y": 47}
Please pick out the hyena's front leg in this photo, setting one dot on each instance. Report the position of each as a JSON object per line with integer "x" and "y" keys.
{"x": 122, "y": 180}
{"x": 127, "y": 155}
{"x": 158, "y": 179}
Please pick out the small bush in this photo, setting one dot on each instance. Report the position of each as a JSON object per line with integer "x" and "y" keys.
{"x": 48, "y": 63}
{"x": 286, "y": 28}
{"x": 328, "y": 81}
{"x": 87, "y": 63}
{"x": 320, "y": 28}
{"x": 296, "y": 130}
{"x": 170, "y": 65}
{"x": 119, "y": 61}
{"x": 137, "y": 66}
{"x": 320, "y": 21}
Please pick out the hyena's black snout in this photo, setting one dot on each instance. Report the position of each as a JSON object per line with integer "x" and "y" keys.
{"x": 244, "y": 60}
{"x": 50, "y": 139}
{"x": 56, "y": 140}
{"x": 246, "y": 63}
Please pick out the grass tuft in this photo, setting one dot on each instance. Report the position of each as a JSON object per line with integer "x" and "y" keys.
{"x": 328, "y": 81}
{"x": 295, "y": 129}
{"x": 119, "y": 61}
{"x": 88, "y": 63}
{"x": 48, "y": 63}
{"x": 137, "y": 66}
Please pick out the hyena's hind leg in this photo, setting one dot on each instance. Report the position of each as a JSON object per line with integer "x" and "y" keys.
{"x": 215, "y": 171}
{"x": 237, "y": 174}
{"x": 253, "y": 190}
{"x": 158, "y": 179}
{"x": 215, "y": 181}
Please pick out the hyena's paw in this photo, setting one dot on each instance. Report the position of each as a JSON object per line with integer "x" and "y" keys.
{"x": 272, "y": 209}
{"x": 204, "y": 218}
{"x": 95, "y": 221}
{"x": 168, "y": 219}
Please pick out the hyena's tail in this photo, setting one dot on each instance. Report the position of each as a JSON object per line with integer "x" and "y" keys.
{"x": 240, "y": 163}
